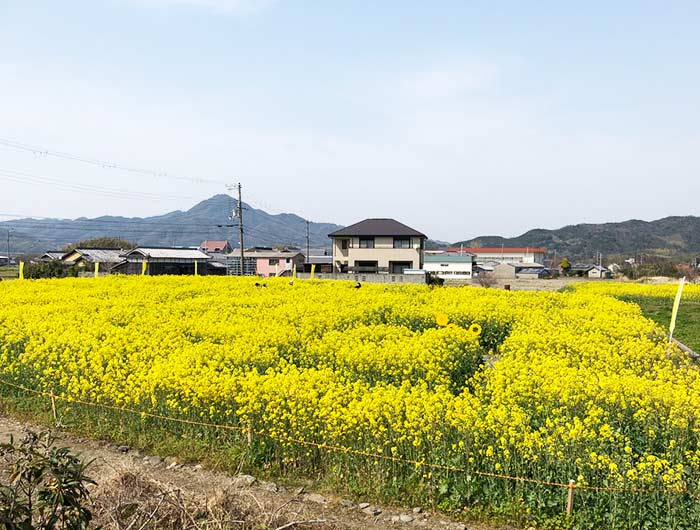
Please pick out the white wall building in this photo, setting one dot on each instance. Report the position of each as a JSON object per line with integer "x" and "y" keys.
{"x": 450, "y": 265}
{"x": 505, "y": 254}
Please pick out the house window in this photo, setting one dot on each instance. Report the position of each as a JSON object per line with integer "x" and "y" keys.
{"x": 286, "y": 260}
{"x": 398, "y": 267}
{"x": 402, "y": 242}
{"x": 274, "y": 261}
{"x": 344, "y": 244}
{"x": 366, "y": 242}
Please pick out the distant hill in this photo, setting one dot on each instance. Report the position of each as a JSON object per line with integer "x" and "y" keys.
{"x": 672, "y": 236}
{"x": 206, "y": 220}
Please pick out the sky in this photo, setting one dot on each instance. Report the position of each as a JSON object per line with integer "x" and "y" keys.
{"x": 459, "y": 118}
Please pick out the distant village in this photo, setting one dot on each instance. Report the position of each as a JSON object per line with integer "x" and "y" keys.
{"x": 374, "y": 250}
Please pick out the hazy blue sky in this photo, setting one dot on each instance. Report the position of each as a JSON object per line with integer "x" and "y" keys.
{"x": 459, "y": 118}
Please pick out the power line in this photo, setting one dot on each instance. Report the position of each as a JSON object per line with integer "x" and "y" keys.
{"x": 40, "y": 180}
{"x": 58, "y": 223}
{"x": 19, "y": 230}
{"x": 13, "y": 144}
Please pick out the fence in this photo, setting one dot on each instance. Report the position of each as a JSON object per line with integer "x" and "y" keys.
{"x": 570, "y": 486}
{"x": 366, "y": 278}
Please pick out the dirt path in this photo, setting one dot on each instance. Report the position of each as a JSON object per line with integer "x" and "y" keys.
{"x": 268, "y": 504}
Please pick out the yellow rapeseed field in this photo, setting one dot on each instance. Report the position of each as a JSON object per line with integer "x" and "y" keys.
{"x": 622, "y": 289}
{"x": 573, "y": 385}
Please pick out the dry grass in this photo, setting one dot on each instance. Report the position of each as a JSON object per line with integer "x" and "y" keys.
{"x": 131, "y": 501}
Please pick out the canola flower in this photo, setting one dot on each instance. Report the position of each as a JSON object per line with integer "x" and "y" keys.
{"x": 548, "y": 386}
{"x": 630, "y": 289}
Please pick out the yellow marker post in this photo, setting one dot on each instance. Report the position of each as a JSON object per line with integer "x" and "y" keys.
{"x": 21, "y": 270}
{"x": 676, "y": 305}
{"x": 313, "y": 270}
{"x": 144, "y": 266}
{"x": 195, "y": 268}
{"x": 97, "y": 269}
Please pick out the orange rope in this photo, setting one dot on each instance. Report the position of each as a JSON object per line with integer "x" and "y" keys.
{"x": 342, "y": 449}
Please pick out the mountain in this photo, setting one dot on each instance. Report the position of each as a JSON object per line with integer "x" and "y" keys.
{"x": 671, "y": 236}
{"x": 206, "y": 220}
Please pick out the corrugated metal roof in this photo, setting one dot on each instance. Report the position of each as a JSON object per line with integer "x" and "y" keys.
{"x": 101, "y": 255}
{"x": 172, "y": 253}
{"x": 377, "y": 227}
{"x": 53, "y": 254}
{"x": 449, "y": 257}
{"x": 522, "y": 265}
{"x": 531, "y": 271}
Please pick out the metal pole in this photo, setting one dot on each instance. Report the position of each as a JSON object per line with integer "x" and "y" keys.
{"x": 240, "y": 228}
{"x": 308, "y": 245}
{"x": 8, "y": 248}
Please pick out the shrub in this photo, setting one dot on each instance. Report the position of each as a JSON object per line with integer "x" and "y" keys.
{"x": 45, "y": 486}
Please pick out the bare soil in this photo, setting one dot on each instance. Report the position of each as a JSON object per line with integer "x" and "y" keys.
{"x": 145, "y": 491}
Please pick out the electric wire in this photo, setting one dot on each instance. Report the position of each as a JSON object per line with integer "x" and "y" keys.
{"x": 37, "y": 150}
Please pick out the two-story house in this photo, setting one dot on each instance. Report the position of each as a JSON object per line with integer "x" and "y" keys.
{"x": 377, "y": 245}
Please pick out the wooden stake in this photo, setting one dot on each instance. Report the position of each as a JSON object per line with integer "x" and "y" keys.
{"x": 53, "y": 409}
{"x": 570, "y": 499}
{"x": 250, "y": 436}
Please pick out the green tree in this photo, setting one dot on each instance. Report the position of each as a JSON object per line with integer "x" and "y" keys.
{"x": 565, "y": 265}
{"x": 103, "y": 242}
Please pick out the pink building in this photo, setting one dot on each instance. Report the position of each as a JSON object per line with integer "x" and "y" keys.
{"x": 270, "y": 263}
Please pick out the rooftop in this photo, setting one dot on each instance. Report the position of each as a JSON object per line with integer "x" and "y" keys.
{"x": 166, "y": 252}
{"x": 103, "y": 255}
{"x": 449, "y": 257}
{"x": 212, "y": 245}
{"x": 521, "y": 265}
{"x": 259, "y": 253}
{"x": 498, "y": 250}
{"x": 378, "y": 227}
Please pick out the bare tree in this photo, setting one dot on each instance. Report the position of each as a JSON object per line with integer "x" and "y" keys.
{"x": 486, "y": 279}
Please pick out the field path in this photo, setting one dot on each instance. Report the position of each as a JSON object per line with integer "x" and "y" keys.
{"x": 111, "y": 462}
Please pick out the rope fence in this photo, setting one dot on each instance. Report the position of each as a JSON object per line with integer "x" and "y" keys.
{"x": 249, "y": 431}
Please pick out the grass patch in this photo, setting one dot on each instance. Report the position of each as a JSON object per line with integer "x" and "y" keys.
{"x": 8, "y": 273}
{"x": 659, "y": 310}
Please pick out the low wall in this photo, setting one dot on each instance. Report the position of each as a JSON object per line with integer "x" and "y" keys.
{"x": 366, "y": 278}
{"x": 526, "y": 284}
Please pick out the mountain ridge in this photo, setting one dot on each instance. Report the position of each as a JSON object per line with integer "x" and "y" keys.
{"x": 671, "y": 236}
{"x": 208, "y": 219}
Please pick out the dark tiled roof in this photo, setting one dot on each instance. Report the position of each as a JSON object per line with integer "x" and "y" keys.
{"x": 377, "y": 227}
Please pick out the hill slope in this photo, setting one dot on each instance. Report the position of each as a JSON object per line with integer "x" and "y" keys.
{"x": 668, "y": 236}
{"x": 206, "y": 220}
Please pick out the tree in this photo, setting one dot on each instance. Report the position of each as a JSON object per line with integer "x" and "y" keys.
{"x": 691, "y": 273}
{"x": 565, "y": 266}
{"x": 104, "y": 242}
{"x": 486, "y": 279}
{"x": 46, "y": 487}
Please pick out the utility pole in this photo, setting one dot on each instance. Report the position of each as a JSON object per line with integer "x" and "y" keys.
{"x": 240, "y": 228}
{"x": 8, "y": 247}
{"x": 308, "y": 245}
